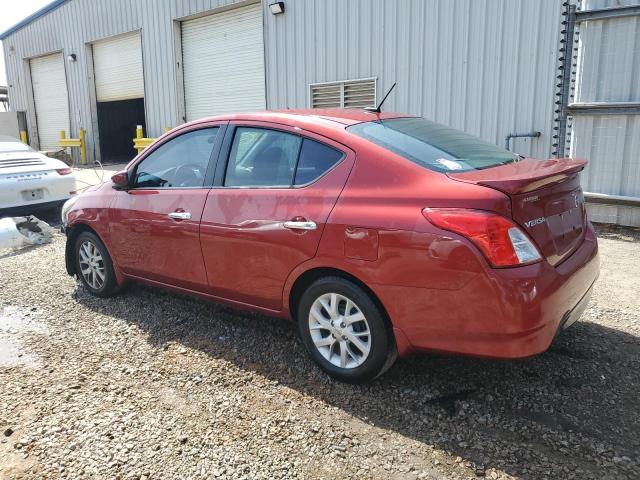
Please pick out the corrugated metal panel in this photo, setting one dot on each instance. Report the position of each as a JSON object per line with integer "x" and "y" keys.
{"x": 607, "y": 71}
{"x": 50, "y": 97}
{"x": 612, "y": 143}
{"x": 75, "y": 24}
{"x": 596, "y": 4}
{"x": 117, "y": 65}
{"x": 485, "y": 66}
{"x": 609, "y": 61}
{"x": 223, "y": 57}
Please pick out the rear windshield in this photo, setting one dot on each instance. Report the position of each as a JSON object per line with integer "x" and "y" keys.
{"x": 432, "y": 145}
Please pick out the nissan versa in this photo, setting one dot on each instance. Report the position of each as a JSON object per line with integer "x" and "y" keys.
{"x": 378, "y": 234}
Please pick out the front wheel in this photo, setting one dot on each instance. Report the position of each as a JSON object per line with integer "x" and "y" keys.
{"x": 344, "y": 331}
{"x": 94, "y": 266}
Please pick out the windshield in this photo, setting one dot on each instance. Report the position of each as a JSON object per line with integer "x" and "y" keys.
{"x": 432, "y": 145}
{"x": 10, "y": 144}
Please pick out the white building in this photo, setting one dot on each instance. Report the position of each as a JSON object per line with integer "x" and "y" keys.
{"x": 493, "y": 68}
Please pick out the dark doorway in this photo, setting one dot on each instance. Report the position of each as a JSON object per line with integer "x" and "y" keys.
{"x": 117, "y": 123}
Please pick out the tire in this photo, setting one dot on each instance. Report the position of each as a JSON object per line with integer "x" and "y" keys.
{"x": 337, "y": 341}
{"x": 89, "y": 247}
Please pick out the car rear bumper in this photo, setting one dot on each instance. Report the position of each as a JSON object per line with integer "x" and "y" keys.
{"x": 502, "y": 313}
{"x": 31, "y": 208}
{"x": 41, "y": 190}
{"x": 576, "y": 312}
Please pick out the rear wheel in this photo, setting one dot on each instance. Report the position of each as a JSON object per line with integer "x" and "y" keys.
{"x": 344, "y": 331}
{"x": 94, "y": 266}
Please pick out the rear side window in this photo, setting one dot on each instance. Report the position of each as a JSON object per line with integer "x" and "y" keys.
{"x": 432, "y": 145}
{"x": 315, "y": 159}
{"x": 263, "y": 157}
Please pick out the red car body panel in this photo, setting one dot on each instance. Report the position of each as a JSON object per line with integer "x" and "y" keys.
{"x": 547, "y": 189}
{"x": 524, "y": 176}
{"x": 147, "y": 243}
{"x": 247, "y": 251}
{"x": 437, "y": 288}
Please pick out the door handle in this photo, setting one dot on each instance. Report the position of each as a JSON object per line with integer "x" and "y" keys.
{"x": 302, "y": 225}
{"x": 180, "y": 215}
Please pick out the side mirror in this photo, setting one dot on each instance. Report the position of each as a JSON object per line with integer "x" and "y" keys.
{"x": 120, "y": 180}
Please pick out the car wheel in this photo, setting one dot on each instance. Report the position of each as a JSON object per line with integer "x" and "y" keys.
{"x": 94, "y": 266}
{"x": 344, "y": 331}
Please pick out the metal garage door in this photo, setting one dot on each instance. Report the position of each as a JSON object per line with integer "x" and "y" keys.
{"x": 223, "y": 61}
{"x": 50, "y": 98}
{"x": 117, "y": 64}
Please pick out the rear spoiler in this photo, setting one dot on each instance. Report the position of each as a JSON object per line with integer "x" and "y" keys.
{"x": 524, "y": 176}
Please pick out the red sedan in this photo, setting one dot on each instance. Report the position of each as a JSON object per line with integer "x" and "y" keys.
{"x": 378, "y": 234}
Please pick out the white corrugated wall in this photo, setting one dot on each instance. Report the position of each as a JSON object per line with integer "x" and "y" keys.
{"x": 74, "y": 25}
{"x": 608, "y": 70}
{"x": 485, "y": 66}
{"x": 596, "y": 4}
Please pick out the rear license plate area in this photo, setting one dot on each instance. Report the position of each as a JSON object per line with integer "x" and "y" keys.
{"x": 31, "y": 195}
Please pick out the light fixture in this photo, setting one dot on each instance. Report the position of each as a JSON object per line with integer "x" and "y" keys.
{"x": 276, "y": 8}
{"x": 71, "y": 57}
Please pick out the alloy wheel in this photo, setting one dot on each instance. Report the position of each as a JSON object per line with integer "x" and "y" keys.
{"x": 339, "y": 330}
{"x": 91, "y": 265}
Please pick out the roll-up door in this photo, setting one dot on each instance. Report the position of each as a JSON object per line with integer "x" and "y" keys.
{"x": 50, "y": 99}
{"x": 119, "y": 81}
{"x": 117, "y": 65}
{"x": 223, "y": 62}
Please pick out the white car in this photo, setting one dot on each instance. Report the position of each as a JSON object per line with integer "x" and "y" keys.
{"x": 30, "y": 180}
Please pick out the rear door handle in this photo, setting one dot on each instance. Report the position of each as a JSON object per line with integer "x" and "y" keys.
{"x": 302, "y": 225}
{"x": 180, "y": 215}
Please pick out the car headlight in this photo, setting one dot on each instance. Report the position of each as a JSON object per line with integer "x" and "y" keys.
{"x": 66, "y": 208}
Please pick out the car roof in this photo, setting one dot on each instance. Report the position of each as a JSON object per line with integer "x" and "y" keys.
{"x": 333, "y": 117}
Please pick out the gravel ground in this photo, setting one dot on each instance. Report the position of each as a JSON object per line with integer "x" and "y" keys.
{"x": 155, "y": 385}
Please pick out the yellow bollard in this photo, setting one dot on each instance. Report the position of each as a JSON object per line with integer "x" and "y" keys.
{"x": 167, "y": 129}
{"x": 139, "y": 134}
{"x": 23, "y": 137}
{"x": 140, "y": 142}
{"x": 79, "y": 142}
{"x": 83, "y": 147}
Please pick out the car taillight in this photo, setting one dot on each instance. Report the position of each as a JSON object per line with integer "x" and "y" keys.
{"x": 501, "y": 241}
{"x": 64, "y": 171}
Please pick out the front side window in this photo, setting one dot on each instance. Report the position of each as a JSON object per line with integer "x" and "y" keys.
{"x": 180, "y": 162}
{"x": 432, "y": 145}
{"x": 262, "y": 158}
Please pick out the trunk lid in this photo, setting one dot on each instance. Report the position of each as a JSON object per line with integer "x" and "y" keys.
{"x": 546, "y": 200}
{"x": 26, "y": 162}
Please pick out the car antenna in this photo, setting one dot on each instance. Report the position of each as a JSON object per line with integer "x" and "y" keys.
{"x": 377, "y": 109}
